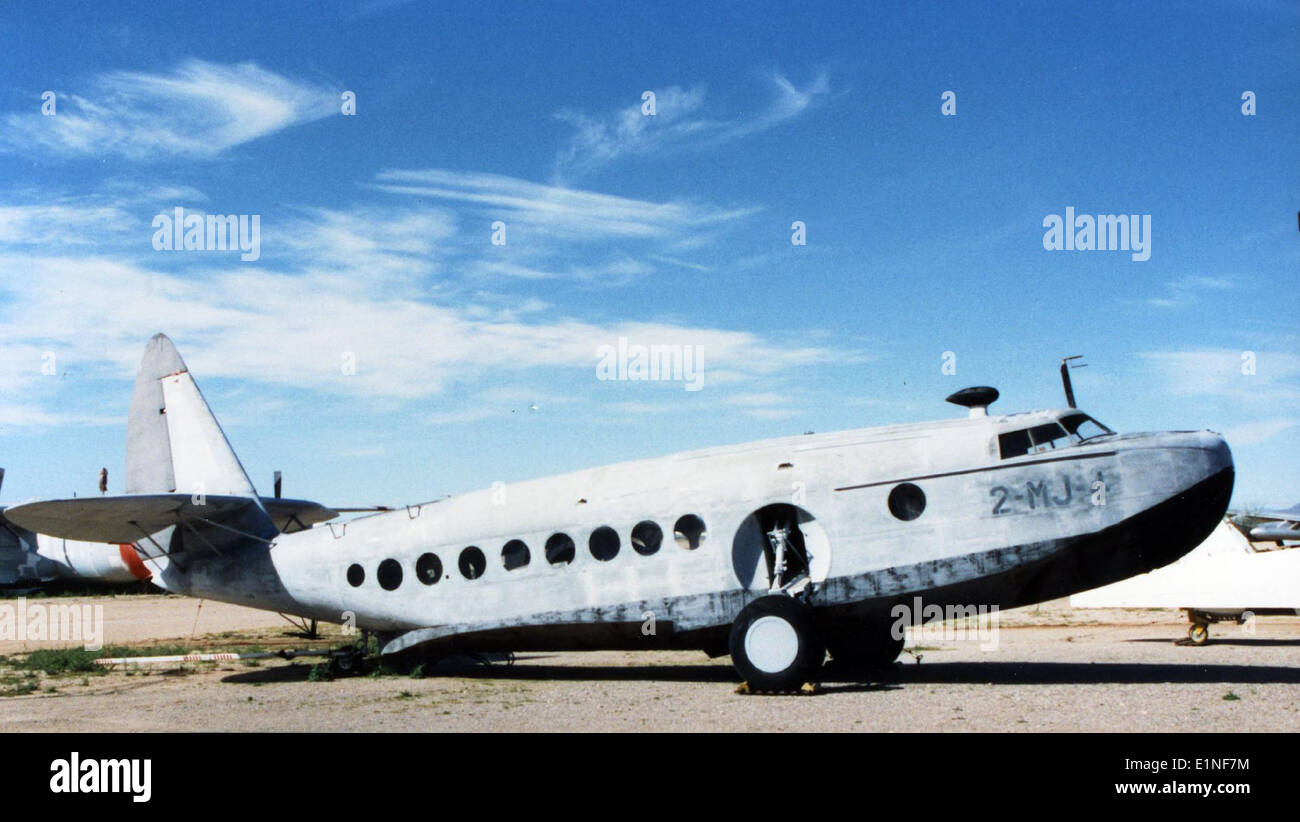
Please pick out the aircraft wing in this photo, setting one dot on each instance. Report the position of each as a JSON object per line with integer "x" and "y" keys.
{"x": 1270, "y": 526}
{"x": 121, "y": 519}
{"x": 1289, "y": 514}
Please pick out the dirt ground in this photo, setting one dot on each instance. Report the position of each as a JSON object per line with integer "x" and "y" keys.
{"x": 1048, "y": 668}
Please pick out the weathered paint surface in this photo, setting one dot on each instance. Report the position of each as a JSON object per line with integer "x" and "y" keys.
{"x": 991, "y": 530}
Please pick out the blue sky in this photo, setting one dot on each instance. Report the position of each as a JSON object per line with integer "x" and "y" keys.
{"x": 476, "y": 362}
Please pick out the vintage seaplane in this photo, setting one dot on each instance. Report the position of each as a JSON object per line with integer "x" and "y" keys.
{"x": 774, "y": 551}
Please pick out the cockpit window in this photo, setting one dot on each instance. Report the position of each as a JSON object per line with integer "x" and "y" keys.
{"x": 1083, "y": 427}
{"x": 1047, "y": 437}
{"x": 1071, "y": 430}
{"x": 1014, "y": 443}
{"x": 1036, "y": 440}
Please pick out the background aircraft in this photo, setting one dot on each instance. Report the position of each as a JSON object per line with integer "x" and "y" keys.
{"x": 1272, "y": 526}
{"x": 1225, "y": 578}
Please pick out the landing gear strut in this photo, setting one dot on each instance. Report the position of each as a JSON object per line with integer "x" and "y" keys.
{"x": 351, "y": 660}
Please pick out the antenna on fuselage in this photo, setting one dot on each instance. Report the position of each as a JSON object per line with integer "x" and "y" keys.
{"x": 277, "y": 484}
{"x": 1065, "y": 377}
{"x": 977, "y": 398}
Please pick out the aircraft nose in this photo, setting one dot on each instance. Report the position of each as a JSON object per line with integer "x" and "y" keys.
{"x": 1215, "y": 452}
{"x": 1182, "y": 465}
{"x": 1198, "y": 465}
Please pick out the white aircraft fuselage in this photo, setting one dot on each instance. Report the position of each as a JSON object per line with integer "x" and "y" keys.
{"x": 992, "y": 531}
{"x": 772, "y": 549}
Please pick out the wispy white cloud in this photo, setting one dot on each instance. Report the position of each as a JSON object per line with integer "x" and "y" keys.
{"x": 679, "y": 121}
{"x": 340, "y": 304}
{"x": 1255, "y": 433}
{"x": 1245, "y": 387}
{"x": 1255, "y": 376}
{"x": 253, "y": 326}
{"x": 1186, "y": 291}
{"x": 557, "y": 232}
{"x": 200, "y": 109}
{"x": 558, "y": 210}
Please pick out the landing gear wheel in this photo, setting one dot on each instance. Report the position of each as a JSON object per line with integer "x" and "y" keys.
{"x": 775, "y": 645}
{"x": 347, "y": 663}
{"x": 866, "y": 652}
{"x": 1198, "y": 634}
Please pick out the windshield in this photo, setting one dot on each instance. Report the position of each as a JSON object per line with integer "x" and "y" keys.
{"x": 1083, "y": 427}
{"x": 1073, "y": 429}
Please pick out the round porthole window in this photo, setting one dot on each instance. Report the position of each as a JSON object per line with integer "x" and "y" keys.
{"x": 515, "y": 554}
{"x": 906, "y": 501}
{"x": 689, "y": 532}
{"x": 356, "y": 575}
{"x": 647, "y": 536}
{"x": 603, "y": 543}
{"x": 428, "y": 568}
{"x": 472, "y": 563}
{"x": 389, "y": 574}
{"x": 560, "y": 549}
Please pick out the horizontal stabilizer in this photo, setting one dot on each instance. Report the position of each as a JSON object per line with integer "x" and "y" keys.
{"x": 122, "y": 519}
{"x": 290, "y": 515}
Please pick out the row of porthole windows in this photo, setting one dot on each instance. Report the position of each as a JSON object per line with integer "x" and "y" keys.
{"x": 604, "y": 543}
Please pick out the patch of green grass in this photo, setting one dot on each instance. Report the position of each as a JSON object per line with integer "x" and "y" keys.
{"x": 150, "y": 650}
{"x": 18, "y": 689}
{"x": 406, "y": 695}
{"x": 65, "y": 661}
{"x": 1231, "y": 697}
{"x": 18, "y": 684}
{"x": 62, "y": 661}
{"x": 320, "y": 672}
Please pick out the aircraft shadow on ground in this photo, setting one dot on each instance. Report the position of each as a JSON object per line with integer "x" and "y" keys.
{"x": 952, "y": 673}
{"x": 501, "y": 671}
{"x": 1245, "y": 642}
{"x": 1092, "y": 673}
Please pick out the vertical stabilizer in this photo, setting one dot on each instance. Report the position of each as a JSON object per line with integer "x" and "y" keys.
{"x": 148, "y": 447}
{"x": 173, "y": 443}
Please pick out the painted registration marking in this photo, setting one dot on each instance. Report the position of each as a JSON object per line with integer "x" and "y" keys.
{"x": 1054, "y": 493}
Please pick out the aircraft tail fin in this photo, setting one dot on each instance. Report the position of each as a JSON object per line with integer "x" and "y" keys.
{"x": 173, "y": 442}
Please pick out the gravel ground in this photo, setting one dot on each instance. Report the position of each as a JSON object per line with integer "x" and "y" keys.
{"x": 1053, "y": 669}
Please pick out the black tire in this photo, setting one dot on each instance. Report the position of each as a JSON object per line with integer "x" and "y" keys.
{"x": 347, "y": 664}
{"x": 775, "y": 645}
{"x": 1198, "y": 633}
{"x": 866, "y": 650}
